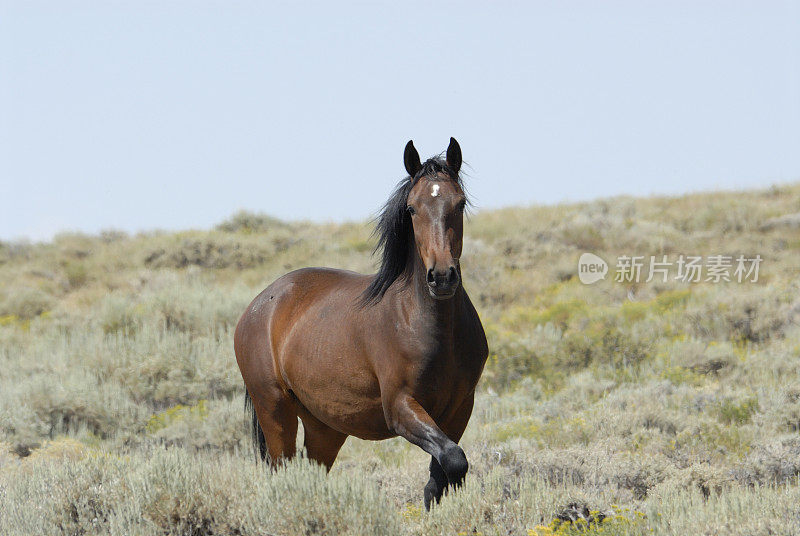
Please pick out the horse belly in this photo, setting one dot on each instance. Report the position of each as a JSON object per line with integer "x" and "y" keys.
{"x": 332, "y": 383}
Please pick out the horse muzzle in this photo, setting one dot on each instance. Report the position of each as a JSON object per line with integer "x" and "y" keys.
{"x": 442, "y": 284}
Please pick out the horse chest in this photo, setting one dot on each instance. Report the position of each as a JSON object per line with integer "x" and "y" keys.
{"x": 441, "y": 381}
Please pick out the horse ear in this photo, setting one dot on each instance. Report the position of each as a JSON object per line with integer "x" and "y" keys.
{"x": 454, "y": 156}
{"x": 411, "y": 159}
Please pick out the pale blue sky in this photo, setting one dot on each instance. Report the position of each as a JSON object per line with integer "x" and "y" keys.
{"x": 173, "y": 115}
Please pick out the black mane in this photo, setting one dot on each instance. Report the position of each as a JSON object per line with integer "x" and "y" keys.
{"x": 395, "y": 232}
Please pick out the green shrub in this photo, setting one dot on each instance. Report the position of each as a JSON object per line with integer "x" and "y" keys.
{"x": 168, "y": 417}
{"x": 119, "y": 314}
{"x": 171, "y": 492}
{"x": 25, "y": 302}
{"x": 76, "y": 273}
{"x": 737, "y": 412}
{"x": 248, "y": 222}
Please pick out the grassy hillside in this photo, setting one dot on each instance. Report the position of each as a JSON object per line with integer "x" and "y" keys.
{"x": 668, "y": 407}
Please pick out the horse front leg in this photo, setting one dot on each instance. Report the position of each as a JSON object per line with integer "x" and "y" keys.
{"x": 408, "y": 419}
{"x": 454, "y": 428}
{"x": 436, "y": 485}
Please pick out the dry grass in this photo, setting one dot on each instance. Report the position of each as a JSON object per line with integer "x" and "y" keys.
{"x": 669, "y": 408}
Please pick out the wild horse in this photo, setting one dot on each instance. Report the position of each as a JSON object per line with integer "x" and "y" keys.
{"x": 373, "y": 356}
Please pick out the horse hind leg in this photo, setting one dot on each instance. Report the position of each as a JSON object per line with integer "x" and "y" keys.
{"x": 275, "y": 426}
{"x": 322, "y": 443}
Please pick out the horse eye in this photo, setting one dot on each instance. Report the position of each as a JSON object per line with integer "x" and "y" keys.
{"x": 460, "y": 206}
{"x": 411, "y": 210}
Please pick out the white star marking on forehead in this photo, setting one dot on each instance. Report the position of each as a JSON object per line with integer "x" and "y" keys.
{"x": 435, "y": 190}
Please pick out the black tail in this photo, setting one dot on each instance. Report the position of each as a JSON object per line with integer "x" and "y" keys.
{"x": 256, "y": 433}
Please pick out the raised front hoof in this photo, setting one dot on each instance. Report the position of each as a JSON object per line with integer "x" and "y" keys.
{"x": 455, "y": 465}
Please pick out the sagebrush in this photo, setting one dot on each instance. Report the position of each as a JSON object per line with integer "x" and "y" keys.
{"x": 662, "y": 407}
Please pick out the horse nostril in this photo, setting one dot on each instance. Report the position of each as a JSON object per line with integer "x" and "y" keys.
{"x": 452, "y": 275}
{"x": 430, "y": 278}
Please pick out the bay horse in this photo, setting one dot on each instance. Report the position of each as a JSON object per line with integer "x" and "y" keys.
{"x": 373, "y": 356}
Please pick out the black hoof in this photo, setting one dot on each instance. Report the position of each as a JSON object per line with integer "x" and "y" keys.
{"x": 433, "y": 493}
